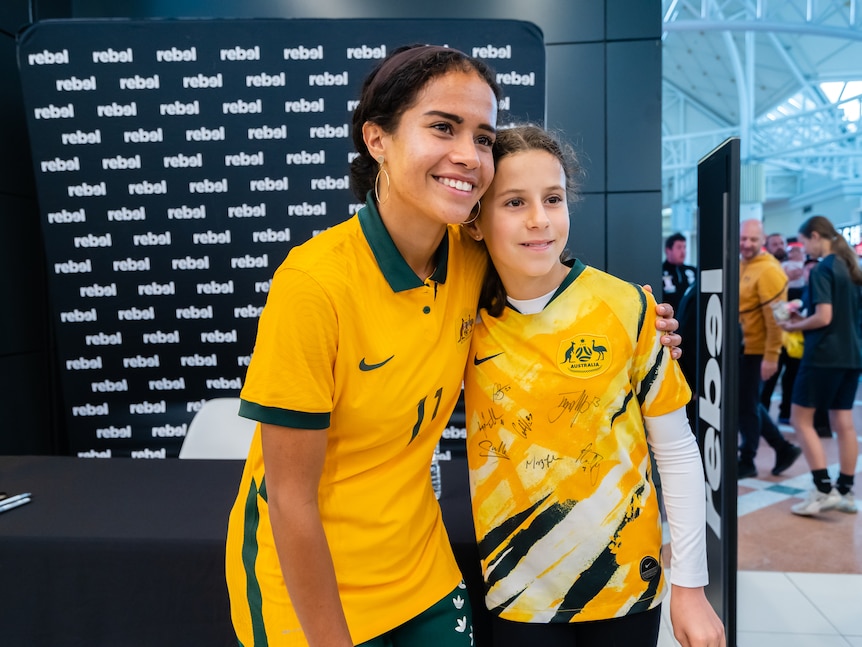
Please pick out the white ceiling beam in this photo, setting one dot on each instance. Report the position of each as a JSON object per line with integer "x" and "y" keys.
{"x": 801, "y": 29}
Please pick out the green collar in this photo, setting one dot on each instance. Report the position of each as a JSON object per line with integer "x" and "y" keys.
{"x": 575, "y": 272}
{"x": 395, "y": 269}
{"x": 577, "y": 267}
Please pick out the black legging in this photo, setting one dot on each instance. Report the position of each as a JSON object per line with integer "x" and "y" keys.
{"x": 636, "y": 630}
{"x": 787, "y": 369}
{"x": 754, "y": 420}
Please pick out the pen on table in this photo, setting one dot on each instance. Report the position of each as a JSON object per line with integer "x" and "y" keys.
{"x": 14, "y": 504}
{"x": 13, "y": 501}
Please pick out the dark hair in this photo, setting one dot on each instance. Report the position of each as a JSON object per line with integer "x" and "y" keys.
{"x": 840, "y": 247}
{"x": 393, "y": 87}
{"x": 521, "y": 139}
{"x": 672, "y": 239}
{"x": 529, "y": 137}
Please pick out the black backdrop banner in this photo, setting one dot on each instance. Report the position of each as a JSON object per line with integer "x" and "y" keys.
{"x": 177, "y": 162}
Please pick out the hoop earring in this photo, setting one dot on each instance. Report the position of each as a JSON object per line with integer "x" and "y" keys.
{"x": 382, "y": 171}
{"x": 478, "y": 211}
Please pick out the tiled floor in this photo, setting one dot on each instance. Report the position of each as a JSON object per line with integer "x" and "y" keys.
{"x": 799, "y": 579}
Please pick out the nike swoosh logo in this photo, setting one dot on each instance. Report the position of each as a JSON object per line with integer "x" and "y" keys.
{"x": 370, "y": 367}
{"x": 477, "y": 361}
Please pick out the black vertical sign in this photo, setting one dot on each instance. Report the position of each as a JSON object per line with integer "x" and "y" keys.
{"x": 177, "y": 162}
{"x": 717, "y": 366}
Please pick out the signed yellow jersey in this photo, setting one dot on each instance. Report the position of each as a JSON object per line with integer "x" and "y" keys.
{"x": 353, "y": 343}
{"x": 564, "y": 505}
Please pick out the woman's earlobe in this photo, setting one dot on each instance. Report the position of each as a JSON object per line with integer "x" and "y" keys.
{"x": 472, "y": 231}
{"x": 372, "y": 134}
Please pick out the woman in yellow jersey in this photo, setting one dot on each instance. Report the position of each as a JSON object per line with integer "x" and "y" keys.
{"x": 336, "y": 537}
{"x": 568, "y": 388}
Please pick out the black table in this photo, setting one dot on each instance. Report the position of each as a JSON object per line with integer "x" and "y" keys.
{"x": 116, "y": 552}
{"x": 126, "y": 553}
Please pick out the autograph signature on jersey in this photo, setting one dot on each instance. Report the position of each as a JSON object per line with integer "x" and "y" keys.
{"x": 576, "y": 402}
{"x": 487, "y": 449}
{"x": 590, "y": 462}
{"x": 489, "y": 421}
{"x": 499, "y": 391}
{"x": 541, "y": 462}
{"x": 523, "y": 425}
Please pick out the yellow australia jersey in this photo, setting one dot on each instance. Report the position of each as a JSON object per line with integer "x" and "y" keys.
{"x": 564, "y": 505}
{"x": 352, "y": 343}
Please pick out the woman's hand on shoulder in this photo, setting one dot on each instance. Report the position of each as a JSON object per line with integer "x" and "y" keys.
{"x": 666, "y": 323}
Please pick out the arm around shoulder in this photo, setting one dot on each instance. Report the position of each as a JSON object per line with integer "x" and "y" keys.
{"x": 667, "y": 324}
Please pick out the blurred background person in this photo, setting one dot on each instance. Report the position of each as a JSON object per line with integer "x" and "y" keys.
{"x": 676, "y": 276}
{"x": 776, "y": 245}
{"x": 831, "y": 364}
{"x": 762, "y": 283}
{"x": 794, "y": 267}
{"x": 788, "y": 362}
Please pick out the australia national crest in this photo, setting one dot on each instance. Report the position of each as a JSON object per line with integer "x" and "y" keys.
{"x": 465, "y": 331}
{"x": 584, "y": 355}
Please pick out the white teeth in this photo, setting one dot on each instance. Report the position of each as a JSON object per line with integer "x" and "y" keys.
{"x": 457, "y": 184}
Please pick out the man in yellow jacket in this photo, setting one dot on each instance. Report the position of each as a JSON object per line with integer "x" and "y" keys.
{"x": 762, "y": 283}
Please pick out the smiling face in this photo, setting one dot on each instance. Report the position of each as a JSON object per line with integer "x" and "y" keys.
{"x": 525, "y": 223}
{"x": 439, "y": 157}
{"x": 750, "y": 239}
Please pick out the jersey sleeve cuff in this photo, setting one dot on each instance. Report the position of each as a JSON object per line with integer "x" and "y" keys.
{"x": 283, "y": 417}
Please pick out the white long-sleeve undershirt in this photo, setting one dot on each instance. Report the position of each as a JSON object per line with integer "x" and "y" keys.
{"x": 682, "y": 482}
